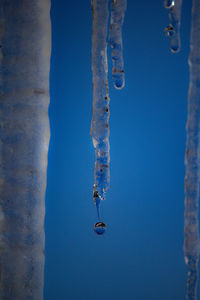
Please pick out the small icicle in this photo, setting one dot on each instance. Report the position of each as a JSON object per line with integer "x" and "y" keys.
{"x": 192, "y": 159}
{"x": 173, "y": 30}
{"x": 97, "y": 201}
{"x": 99, "y": 227}
{"x": 118, "y": 8}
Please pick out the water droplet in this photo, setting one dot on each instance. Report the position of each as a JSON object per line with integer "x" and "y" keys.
{"x": 169, "y": 31}
{"x": 175, "y": 48}
{"x": 169, "y": 4}
{"x": 100, "y": 228}
{"x": 174, "y": 43}
{"x": 118, "y": 80}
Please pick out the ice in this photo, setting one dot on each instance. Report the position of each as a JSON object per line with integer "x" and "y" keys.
{"x": 100, "y": 108}
{"x": 192, "y": 159}
{"x": 173, "y": 30}
{"x": 118, "y": 8}
{"x": 24, "y": 99}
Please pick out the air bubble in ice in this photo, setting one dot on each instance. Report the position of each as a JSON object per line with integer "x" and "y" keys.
{"x": 169, "y": 31}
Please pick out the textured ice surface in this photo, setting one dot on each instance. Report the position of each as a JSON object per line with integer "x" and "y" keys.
{"x": 192, "y": 158}
{"x": 100, "y": 108}
{"x": 24, "y": 139}
{"x": 100, "y": 111}
{"x": 118, "y": 8}
{"x": 173, "y": 30}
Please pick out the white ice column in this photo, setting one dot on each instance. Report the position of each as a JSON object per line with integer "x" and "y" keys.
{"x": 192, "y": 159}
{"x": 25, "y": 45}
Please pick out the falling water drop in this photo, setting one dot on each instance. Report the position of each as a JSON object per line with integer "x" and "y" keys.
{"x": 100, "y": 228}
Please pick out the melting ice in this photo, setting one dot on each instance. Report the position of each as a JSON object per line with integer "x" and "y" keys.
{"x": 100, "y": 109}
{"x": 173, "y": 30}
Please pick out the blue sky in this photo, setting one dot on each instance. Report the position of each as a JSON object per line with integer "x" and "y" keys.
{"x": 141, "y": 254}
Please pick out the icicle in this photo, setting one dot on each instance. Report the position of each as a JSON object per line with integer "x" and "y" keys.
{"x": 118, "y": 8}
{"x": 192, "y": 159}
{"x": 173, "y": 30}
{"x": 100, "y": 109}
{"x": 25, "y": 34}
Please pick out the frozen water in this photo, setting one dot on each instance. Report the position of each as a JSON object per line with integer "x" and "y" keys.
{"x": 100, "y": 108}
{"x": 192, "y": 159}
{"x": 24, "y": 99}
{"x": 174, "y": 12}
{"x": 101, "y": 100}
{"x": 118, "y": 8}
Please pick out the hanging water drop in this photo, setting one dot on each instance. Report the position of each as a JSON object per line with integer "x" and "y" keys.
{"x": 100, "y": 228}
{"x": 100, "y": 109}
{"x": 118, "y": 79}
{"x": 169, "y": 4}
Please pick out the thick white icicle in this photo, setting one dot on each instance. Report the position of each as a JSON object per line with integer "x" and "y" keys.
{"x": 173, "y": 30}
{"x": 100, "y": 109}
{"x": 192, "y": 158}
{"x": 24, "y": 138}
{"x": 118, "y": 8}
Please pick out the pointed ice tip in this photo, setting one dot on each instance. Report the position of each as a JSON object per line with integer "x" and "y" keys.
{"x": 100, "y": 228}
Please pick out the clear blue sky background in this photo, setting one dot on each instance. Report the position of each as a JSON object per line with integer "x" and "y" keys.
{"x": 141, "y": 255}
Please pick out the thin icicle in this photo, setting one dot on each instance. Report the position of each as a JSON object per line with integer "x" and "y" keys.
{"x": 173, "y": 30}
{"x": 118, "y": 8}
{"x": 192, "y": 159}
{"x": 100, "y": 112}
